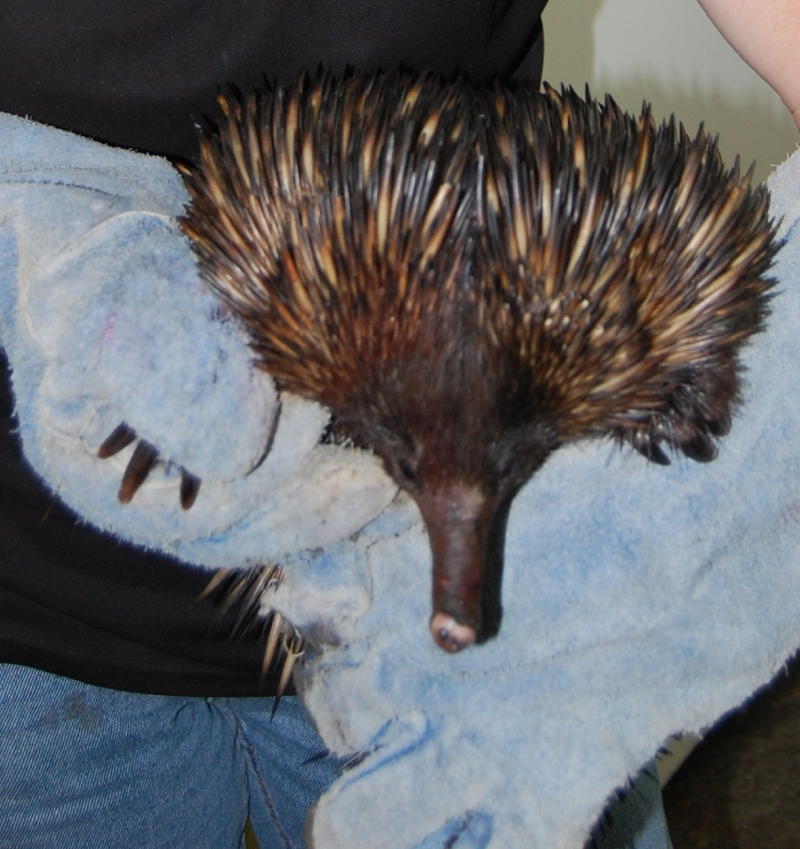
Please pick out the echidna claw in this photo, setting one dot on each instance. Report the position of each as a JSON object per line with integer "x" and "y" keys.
{"x": 139, "y": 467}
{"x": 652, "y": 451}
{"x": 119, "y": 438}
{"x": 145, "y": 457}
{"x": 701, "y": 448}
{"x": 190, "y": 487}
{"x": 721, "y": 426}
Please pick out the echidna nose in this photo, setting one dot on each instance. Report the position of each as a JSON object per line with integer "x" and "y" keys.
{"x": 450, "y": 635}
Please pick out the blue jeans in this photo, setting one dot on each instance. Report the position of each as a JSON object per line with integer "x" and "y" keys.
{"x": 86, "y": 767}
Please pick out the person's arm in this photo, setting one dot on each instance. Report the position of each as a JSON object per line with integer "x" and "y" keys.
{"x": 766, "y": 34}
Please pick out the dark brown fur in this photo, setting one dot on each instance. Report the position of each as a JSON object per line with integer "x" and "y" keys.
{"x": 469, "y": 279}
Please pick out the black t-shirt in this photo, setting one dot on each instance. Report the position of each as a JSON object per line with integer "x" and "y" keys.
{"x": 140, "y": 74}
{"x": 136, "y": 73}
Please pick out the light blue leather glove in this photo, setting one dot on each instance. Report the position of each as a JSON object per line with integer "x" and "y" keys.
{"x": 105, "y": 320}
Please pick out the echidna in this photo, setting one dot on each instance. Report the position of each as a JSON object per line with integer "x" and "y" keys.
{"x": 469, "y": 279}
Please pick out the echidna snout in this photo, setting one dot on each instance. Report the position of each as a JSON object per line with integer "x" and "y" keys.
{"x": 466, "y": 530}
{"x": 458, "y": 519}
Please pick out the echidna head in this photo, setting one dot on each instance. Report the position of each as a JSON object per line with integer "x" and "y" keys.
{"x": 461, "y": 430}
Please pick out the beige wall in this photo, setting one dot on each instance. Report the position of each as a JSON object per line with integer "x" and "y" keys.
{"x": 668, "y": 52}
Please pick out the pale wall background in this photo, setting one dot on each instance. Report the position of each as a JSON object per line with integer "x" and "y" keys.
{"x": 669, "y": 52}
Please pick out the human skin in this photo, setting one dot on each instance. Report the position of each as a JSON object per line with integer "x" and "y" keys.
{"x": 766, "y": 34}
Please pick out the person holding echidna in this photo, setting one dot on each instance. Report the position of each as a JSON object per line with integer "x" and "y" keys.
{"x": 93, "y": 653}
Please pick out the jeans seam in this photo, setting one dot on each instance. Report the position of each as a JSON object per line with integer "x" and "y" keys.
{"x": 264, "y": 791}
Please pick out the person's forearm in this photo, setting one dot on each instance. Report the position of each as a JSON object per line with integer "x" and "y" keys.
{"x": 766, "y": 34}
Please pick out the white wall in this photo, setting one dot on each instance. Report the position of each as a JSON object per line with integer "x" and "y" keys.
{"x": 668, "y": 52}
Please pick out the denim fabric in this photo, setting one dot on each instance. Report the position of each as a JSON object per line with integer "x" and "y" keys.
{"x": 85, "y": 767}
